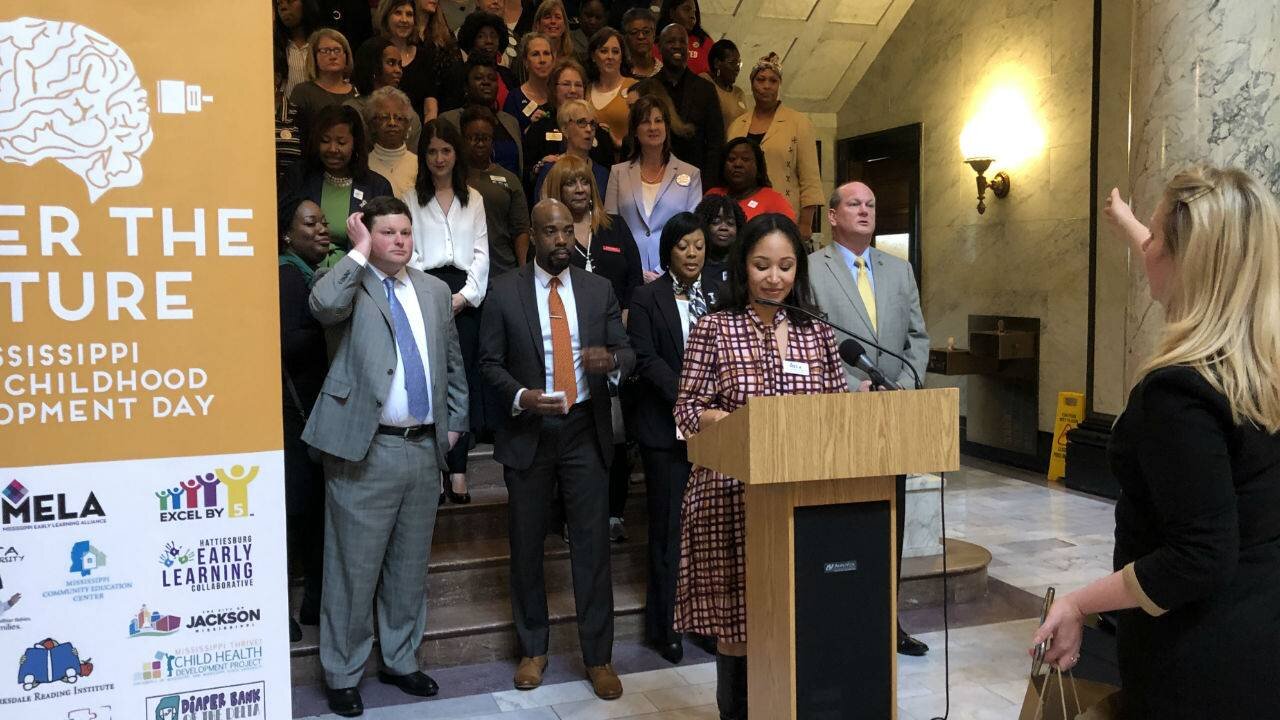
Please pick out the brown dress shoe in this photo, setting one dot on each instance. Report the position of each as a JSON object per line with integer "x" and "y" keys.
{"x": 529, "y": 673}
{"x": 605, "y": 682}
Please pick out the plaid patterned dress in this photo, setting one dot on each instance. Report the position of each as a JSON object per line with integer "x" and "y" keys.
{"x": 729, "y": 357}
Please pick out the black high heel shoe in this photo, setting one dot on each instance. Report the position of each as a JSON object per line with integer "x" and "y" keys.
{"x": 455, "y": 498}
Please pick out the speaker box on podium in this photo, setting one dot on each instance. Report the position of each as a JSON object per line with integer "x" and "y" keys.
{"x": 821, "y": 552}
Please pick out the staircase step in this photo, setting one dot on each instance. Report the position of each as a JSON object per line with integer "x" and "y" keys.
{"x": 482, "y": 631}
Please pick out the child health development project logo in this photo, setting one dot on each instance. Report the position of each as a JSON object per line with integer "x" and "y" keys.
{"x": 221, "y": 493}
{"x": 201, "y": 661}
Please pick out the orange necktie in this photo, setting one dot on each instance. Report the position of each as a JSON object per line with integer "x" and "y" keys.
{"x": 562, "y": 377}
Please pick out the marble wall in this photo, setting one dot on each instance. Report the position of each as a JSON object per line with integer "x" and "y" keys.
{"x": 1029, "y": 254}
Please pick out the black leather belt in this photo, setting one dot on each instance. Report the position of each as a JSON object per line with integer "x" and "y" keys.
{"x": 408, "y": 433}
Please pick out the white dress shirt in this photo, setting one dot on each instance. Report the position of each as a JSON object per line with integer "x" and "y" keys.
{"x": 460, "y": 240}
{"x": 682, "y": 307}
{"x": 849, "y": 256}
{"x": 395, "y": 408}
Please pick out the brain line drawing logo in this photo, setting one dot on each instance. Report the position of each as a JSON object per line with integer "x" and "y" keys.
{"x": 70, "y": 95}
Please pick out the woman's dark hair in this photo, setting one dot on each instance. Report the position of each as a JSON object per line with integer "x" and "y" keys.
{"x": 383, "y": 205}
{"x": 723, "y": 47}
{"x": 286, "y": 207}
{"x": 477, "y": 21}
{"x": 712, "y": 207}
{"x": 476, "y": 60}
{"x": 473, "y": 113}
{"x": 368, "y": 63}
{"x": 760, "y": 227}
{"x": 664, "y": 18}
{"x": 424, "y": 186}
{"x": 640, "y": 111}
{"x": 596, "y": 42}
{"x": 762, "y": 173}
{"x": 327, "y": 118}
{"x": 677, "y": 227}
{"x": 311, "y": 21}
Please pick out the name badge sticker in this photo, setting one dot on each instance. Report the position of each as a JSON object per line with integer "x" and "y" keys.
{"x": 498, "y": 179}
{"x": 357, "y": 194}
{"x": 752, "y": 204}
{"x": 554, "y": 136}
{"x": 795, "y": 367}
{"x": 683, "y": 180}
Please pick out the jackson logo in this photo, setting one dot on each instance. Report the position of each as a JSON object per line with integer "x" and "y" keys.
{"x": 221, "y": 492}
{"x": 215, "y": 564}
{"x": 201, "y": 661}
{"x": 224, "y": 619}
{"x": 231, "y": 702}
{"x": 22, "y": 510}
{"x": 152, "y": 623}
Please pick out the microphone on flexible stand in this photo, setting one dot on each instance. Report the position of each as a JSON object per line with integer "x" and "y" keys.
{"x": 852, "y": 352}
{"x": 822, "y": 318}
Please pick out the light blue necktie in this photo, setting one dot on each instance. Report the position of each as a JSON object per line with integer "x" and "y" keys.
{"x": 415, "y": 377}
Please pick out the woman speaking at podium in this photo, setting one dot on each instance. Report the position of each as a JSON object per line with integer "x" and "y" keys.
{"x": 746, "y": 349}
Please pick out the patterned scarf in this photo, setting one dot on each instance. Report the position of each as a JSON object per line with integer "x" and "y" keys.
{"x": 697, "y": 303}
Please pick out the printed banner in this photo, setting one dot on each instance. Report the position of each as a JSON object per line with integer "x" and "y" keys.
{"x": 142, "y": 541}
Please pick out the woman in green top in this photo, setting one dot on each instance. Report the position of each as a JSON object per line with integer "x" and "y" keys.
{"x": 334, "y": 172}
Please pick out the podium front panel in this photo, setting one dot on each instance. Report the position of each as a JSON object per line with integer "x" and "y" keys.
{"x": 843, "y": 592}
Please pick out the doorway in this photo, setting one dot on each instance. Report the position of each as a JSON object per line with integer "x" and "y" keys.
{"x": 889, "y": 163}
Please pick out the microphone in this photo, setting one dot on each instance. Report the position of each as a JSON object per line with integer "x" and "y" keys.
{"x": 852, "y": 352}
{"x": 822, "y": 318}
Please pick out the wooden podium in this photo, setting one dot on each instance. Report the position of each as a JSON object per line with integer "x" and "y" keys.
{"x": 821, "y": 543}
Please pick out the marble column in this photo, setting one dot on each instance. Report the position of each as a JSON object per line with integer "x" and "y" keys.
{"x": 1204, "y": 89}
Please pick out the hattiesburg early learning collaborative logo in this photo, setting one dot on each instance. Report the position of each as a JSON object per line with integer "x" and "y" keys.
{"x": 221, "y": 493}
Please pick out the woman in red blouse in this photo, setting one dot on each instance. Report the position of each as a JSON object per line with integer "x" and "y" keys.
{"x": 746, "y": 349}
{"x": 746, "y": 180}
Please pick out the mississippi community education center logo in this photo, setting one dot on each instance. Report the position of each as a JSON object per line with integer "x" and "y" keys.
{"x": 200, "y": 661}
{"x": 23, "y": 510}
{"x": 217, "y": 563}
{"x": 223, "y": 492}
{"x": 89, "y": 580}
{"x": 230, "y": 702}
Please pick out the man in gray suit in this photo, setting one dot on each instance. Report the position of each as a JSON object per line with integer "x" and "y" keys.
{"x": 551, "y": 338}
{"x": 874, "y": 294}
{"x": 393, "y": 403}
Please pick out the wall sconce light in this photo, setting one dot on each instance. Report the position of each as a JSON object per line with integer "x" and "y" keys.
{"x": 999, "y": 184}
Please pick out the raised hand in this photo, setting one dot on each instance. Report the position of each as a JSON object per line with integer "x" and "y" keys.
{"x": 358, "y": 234}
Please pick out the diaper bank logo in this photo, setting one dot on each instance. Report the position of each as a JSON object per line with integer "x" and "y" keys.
{"x": 224, "y": 492}
{"x": 70, "y": 95}
{"x": 231, "y": 702}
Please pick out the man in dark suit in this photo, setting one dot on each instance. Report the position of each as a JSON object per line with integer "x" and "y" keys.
{"x": 549, "y": 336}
{"x": 694, "y": 100}
{"x": 872, "y": 292}
{"x": 393, "y": 403}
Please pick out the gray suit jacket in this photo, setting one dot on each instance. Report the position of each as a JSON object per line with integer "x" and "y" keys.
{"x": 901, "y": 324}
{"x": 352, "y": 304}
{"x": 511, "y": 355}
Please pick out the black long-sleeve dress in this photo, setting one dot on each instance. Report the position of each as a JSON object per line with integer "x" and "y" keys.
{"x": 1198, "y": 540}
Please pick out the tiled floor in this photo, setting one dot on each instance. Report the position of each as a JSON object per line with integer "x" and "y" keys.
{"x": 1038, "y": 536}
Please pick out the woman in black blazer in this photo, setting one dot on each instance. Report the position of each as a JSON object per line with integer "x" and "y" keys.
{"x": 1197, "y": 456}
{"x": 604, "y": 247}
{"x": 662, "y": 313}
{"x": 304, "y": 243}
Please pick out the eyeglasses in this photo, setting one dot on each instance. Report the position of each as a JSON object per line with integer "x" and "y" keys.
{"x": 571, "y": 85}
{"x": 330, "y": 51}
{"x": 584, "y": 123}
{"x": 386, "y": 117}
{"x": 640, "y": 32}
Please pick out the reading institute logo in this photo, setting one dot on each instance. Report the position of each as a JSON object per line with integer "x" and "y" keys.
{"x": 223, "y": 492}
{"x": 21, "y": 509}
{"x": 51, "y": 661}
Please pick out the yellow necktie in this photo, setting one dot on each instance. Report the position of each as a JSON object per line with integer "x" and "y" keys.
{"x": 864, "y": 289}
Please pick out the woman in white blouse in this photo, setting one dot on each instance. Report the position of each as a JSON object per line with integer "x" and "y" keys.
{"x": 451, "y": 242}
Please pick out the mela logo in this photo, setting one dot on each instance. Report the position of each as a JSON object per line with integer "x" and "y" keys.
{"x": 22, "y": 510}
{"x": 222, "y": 492}
{"x": 152, "y": 623}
